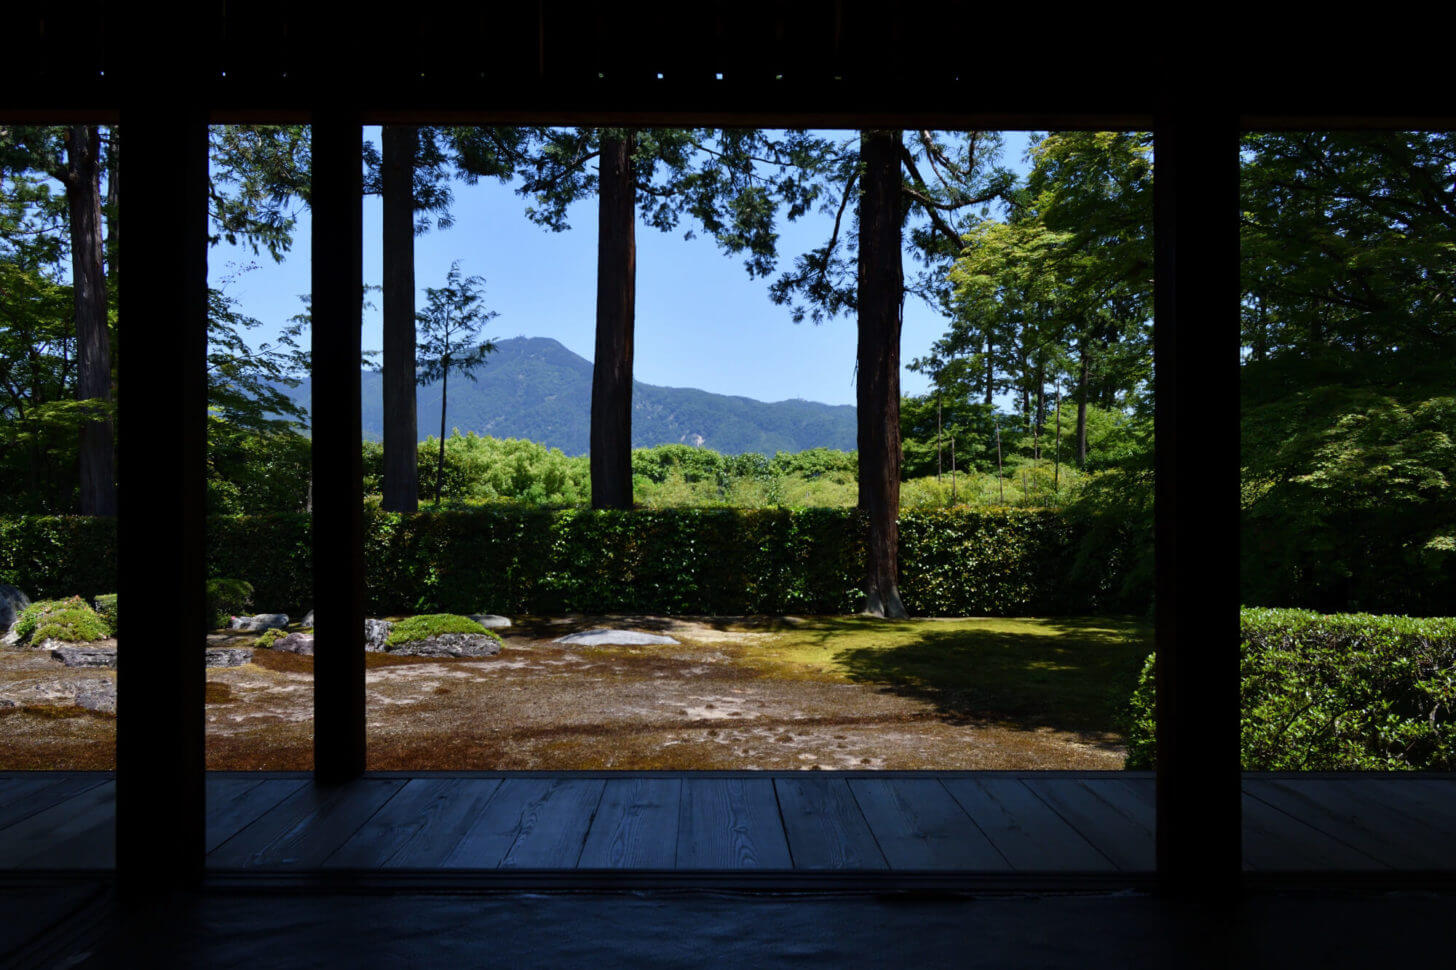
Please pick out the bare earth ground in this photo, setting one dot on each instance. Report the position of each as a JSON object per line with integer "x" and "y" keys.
{"x": 764, "y": 693}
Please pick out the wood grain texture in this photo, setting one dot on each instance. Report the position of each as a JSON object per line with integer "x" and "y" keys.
{"x": 1364, "y": 823}
{"x": 305, "y": 828}
{"x": 730, "y": 823}
{"x": 1114, "y": 819}
{"x": 421, "y": 810}
{"x": 1023, "y": 828}
{"x": 234, "y": 803}
{"x": 918, "y": 825}
{"x": 78, "y": 833}
{"x": 23, "y": 798}
{"x": 635, "y": 825}
{"x": 529, "y": 823}
{"x": 1274, "y": 840}
{"x": 824, "y": 825}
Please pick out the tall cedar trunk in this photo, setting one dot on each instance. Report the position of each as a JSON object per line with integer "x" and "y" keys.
{"x": 93, "y": 342}
{"x": 444, "y": 397}
{"x": 877, "y": 392}
{"x": 1040, "y": 409}
{"x": 611, "y": 413}
{"x": 401, "y": 431}
{"x": 1082, "y": 412}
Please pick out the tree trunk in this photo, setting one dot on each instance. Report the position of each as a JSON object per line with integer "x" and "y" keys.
{"x": 611, "y": 413}
{"x": 401, "y": 430}
{"x": 990, "y": 371}
{"x": 881, "y": 304}
{"x": 440, "y": 466}
{"x": 1082, "y": 412}
{"x": 93, "y": 341}
{"x": 1040, "y": 418}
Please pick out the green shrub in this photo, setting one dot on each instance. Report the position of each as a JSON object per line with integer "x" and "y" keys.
{"x": 268, "y": 636}
{"x": 512, "y": 559}
{"x": 70, "y": 620}
{"x": 106, "y": 609}
{"x": 433, "y": 624}
{"x": 227, "y": 598}
{"x": 1343, "y": 692}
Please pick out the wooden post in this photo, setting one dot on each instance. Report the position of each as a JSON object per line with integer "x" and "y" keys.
{"x": 1196, "y": 389}
{"x": 338, "y": 520}
{"x": 611, "y": 420}
{"x": 159, "y": 726}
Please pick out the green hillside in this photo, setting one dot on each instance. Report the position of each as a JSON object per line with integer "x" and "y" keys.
{"x": 534, "y": 388}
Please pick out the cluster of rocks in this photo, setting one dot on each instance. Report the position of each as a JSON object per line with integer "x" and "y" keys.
{"x": 376, "y": 635}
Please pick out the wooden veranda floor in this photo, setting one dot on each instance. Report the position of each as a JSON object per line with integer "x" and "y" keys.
{"x": 752, "y": 822}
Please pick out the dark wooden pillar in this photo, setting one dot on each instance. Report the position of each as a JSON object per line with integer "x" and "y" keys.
{"x": 611, "y": 418}
{"x": 338, "y": 521}
{"x": 162, "y": 366}
{"x": 1196, "y": 386}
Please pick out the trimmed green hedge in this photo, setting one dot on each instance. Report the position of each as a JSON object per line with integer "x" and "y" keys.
{"x": 503, "y": 559}
{"x": 1343, "y": 692}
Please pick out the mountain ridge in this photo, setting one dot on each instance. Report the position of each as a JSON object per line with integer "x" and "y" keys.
{"x": 536, "y": 388}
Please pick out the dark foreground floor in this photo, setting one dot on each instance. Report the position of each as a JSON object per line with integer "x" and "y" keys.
{"x": 219, "y": 929}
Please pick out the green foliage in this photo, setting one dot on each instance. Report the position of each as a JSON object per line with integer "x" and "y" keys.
{"x": 70, "y": 620}
{"x": 106, "y": 609}
{"x": 49, "y": 555}
{"x": 1342, "y": 692}
{"x": 1141, "y": 720}
{"x": 268, "y": 637}
{"x": 433, "y": 624}
{"x": 227, "y": 598}
{"x": 509, "y": 559}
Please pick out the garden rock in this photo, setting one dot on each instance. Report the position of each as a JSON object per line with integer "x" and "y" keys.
{"x": 614, "y": 638}
{"x": 12, "y": 601}
{"x": 97, "y": 695}
{"x": 491, "y": 621}
{"x": 300, "y": 643}
{"x": 258, "y": 623}
{"x": 228, "y": 656}
{"x": 83, "y": 655}
{"x": 449, "y": 645}
{"x": 375, "y": 633}
{"x": 307, "y": 619}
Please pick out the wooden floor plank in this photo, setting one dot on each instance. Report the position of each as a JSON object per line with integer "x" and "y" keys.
{"x": 730, "y": 823}
{"x": 635, "y": 826}
{"x": 1275, "y": 841}
{"x": 233, "y": 803}
{"x": 418, "y": 827}
{"x": 55, "y": 790}
{"x": 14, "y": 789}
{"x": 1337, "y": 808}
{"x": 824, "y": 825}
{"x": 307, "y": 827}
{"x": 1023, "y": 828}
{"x": 521, "y": 806}
{"x": 76, "y": 833}
{"x": 553, "y": 830}
{"x": 1112, "y": 817}
{"x": 918, "y": 825}
{"x": 1431, "y": 801}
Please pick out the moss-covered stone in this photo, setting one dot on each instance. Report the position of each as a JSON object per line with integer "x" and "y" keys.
{"x": 265, "y": 641}
{"x": 434, "y": 624}
{"x": 106, "y": 609}
{"x": 71, "y": 620}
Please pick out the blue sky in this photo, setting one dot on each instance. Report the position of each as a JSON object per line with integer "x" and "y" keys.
{"x": 701, "y": 322}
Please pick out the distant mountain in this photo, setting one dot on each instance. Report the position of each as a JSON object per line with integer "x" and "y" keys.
{"x": 533, "y": 387}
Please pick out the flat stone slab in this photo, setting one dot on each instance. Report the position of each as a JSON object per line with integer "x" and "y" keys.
{"x": 259, "y": 623}
{"x": 492, "y": 621}
{"x": 614, "y": 638}
{"x": 229, "y": 656}
{"x": 80, "y": 655}
{"x": 449, "y": 645}
{"x": 97, "y": 695}
{"x": 300, "y": 643}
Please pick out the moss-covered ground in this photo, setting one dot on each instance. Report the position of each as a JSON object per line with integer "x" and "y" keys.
{"x": 767, "y": 692}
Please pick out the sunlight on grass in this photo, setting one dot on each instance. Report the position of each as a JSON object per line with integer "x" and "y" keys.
{"x": 1072, "y": 673}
